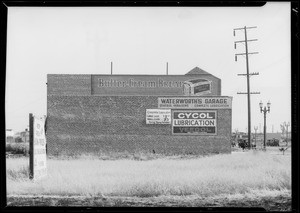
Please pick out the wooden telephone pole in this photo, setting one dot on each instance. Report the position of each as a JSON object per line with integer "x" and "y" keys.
{"x": 247, "y": 74}
{"x": 167, "y": 68}
{"x": 111, "y": 68}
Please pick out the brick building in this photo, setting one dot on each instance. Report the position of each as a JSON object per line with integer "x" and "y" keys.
{"x": 112, "y": 113}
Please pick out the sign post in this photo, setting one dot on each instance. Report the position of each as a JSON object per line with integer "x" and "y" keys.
{"x": 37, "y": 147}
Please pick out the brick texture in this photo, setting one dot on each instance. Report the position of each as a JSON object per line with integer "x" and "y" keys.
{"x": 92, "y": 124}
{"x": 68, "y": 84}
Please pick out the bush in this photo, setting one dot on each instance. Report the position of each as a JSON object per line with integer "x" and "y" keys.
{"x": 18, "y": 148}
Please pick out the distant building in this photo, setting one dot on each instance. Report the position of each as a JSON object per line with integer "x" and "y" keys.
{"x": 9, "y": 135}
{"x": 22, "y": 136}
{"x": 260, "y": 136}
{"x": 273, "y": 135}
{"x": 239, "y": 135}
{"x": 9, "y": 132}
{"x": 25, "y": 136}
{"x": 17, "y": 137}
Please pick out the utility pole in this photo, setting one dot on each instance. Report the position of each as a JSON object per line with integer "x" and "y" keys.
{"x": 111, "y": 68}
{"x": 236, "y": 135}
{"x": 265, "y": 110}
{"x": 167, "y": 69}
{"x": 282, "y": 130}
{"x": 247, "y": 74}
{"x": 255, "y": 129}
{"x": 287, "y": 132}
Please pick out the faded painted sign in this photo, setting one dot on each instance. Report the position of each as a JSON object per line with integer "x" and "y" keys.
{"x": 222, "y": 102}
{"x": 158, "y": 116}
{"x": 38, "y": 158}
{"x": 196, "y": 87}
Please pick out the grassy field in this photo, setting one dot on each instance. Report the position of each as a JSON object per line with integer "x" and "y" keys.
{"x": 241, "y": 175}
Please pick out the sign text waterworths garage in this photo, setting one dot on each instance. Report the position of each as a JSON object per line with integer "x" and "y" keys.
{"x": 223, "y": 102}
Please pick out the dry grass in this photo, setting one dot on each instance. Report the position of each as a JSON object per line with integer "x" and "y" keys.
{"x": 241, "y": 173}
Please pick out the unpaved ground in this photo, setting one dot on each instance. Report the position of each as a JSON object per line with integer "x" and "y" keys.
{"x": 278, "y": 202}
{"x": 274, "y": 203}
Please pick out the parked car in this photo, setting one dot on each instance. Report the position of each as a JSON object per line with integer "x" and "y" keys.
{"x": 273, "y": 142}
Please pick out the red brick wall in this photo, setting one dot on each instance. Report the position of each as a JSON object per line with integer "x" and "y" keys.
{"x": 90, "y": 124}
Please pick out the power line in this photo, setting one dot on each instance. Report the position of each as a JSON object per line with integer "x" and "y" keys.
{"x": 246, "y": 53}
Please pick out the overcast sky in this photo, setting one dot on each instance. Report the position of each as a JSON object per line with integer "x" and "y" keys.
{"x": 141, "y": 40}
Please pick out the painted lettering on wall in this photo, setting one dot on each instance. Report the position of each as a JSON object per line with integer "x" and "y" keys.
{"x": 195, "y": 103}
{"x": 169, "y": 85}
{"x": 196, "y": 87}
{"x": 138, "y": 83}
{"x": 158, "y": 116}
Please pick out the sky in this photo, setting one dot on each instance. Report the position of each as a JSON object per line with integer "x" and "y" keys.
{"x": 141, "y": 40}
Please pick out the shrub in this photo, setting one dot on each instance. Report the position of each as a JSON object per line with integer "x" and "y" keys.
{"x": 217, "y": 175}
{"x": 18, "y": 148}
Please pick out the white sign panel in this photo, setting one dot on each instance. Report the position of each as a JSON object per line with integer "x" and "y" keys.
{"x": 158, "y": 116}
{"x": 38, "y": 158}
{"x": 195, "y": 102}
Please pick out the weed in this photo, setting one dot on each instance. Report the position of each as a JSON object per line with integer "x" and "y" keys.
{"x": 202, "y": 176}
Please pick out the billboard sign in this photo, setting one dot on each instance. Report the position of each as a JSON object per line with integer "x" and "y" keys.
{"x": 194, "y": 122}
{"x": 222, "y": 102}
{"x": 196, "y": 87}
{"x": 158, "y": 116}
{"x": 37, "y": 143}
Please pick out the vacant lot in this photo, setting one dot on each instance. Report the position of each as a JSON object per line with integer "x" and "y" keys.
{"x": 239, "y": 179}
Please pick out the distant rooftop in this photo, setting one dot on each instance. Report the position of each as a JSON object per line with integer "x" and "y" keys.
{"x": 198, "y": 71}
